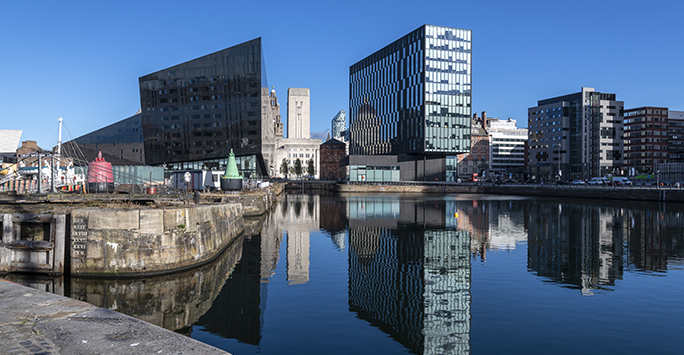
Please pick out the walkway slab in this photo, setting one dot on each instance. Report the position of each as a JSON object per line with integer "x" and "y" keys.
{"x": 38, "y": 322}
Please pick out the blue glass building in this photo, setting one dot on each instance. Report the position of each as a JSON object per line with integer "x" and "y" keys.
{"x": 411, "y": 102}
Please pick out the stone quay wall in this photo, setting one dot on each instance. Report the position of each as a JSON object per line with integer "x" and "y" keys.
{"x": 585, "y": 192}
{"x": 115, "y": 242}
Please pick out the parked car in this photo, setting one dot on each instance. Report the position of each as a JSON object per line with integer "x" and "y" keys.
{"x": 578, "y": 182}
{"x": 598, "y": 181}
{"x": 620, "y": 181}
{"x": 678, "y": 184}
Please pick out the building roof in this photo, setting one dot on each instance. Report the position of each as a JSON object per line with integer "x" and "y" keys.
{"x": 333, "y": 141}
{"x": 9, "y": 140}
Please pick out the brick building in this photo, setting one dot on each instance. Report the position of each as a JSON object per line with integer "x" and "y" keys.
{"x": 332, "y": 152}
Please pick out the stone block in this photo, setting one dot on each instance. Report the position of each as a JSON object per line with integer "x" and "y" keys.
{"x": 151, "y": 222}
{"x": 192, "y": 219}
{"x": 94, "y": 250}
{"x": 175, "y": 217}
{"x": 113, "y": 219}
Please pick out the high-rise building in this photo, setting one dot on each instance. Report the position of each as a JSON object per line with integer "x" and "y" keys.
{"x": 575, "y": 136}
{"x": 195, "y": 112}
{"x": 645, "y": 138}
{"x": 298, "y": 113}
{"x": 410, "y": 106}
{"x": 339, "y": 126}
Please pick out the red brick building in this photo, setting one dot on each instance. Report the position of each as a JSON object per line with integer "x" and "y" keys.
{"x": 331, "y": 154}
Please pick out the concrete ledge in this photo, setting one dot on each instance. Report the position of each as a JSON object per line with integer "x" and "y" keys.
{"x": 33, "y": 321}
{"x": 107, "y": 242}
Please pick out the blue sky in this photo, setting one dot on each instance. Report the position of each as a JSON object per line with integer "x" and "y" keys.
{"x": 81, "y": 60}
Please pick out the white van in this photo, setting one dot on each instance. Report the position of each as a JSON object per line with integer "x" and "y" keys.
{"x": 598, "y": 181}
{"x": 621, "y": 181}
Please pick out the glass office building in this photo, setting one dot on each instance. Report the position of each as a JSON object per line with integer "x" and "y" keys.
{"x": 413, "y": 97}
{"x": 194, "y": 113}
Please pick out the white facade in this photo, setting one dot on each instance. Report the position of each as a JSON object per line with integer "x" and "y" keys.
{"x": 506, "y": 146}
{"x": 298, "y": 113}
{"x": 292, "y": 149}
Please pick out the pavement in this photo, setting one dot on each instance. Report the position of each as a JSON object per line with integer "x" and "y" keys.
{"x": 37, "y": 322}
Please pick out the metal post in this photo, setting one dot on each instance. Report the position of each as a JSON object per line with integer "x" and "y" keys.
{"x": 40, "y": 176}
{"x": 52, "y": 174}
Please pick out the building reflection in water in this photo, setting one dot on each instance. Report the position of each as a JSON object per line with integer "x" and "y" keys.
{"x": 409, "y": 272}
{"x": 298, "y": 216}
{"x": 239, "y": 309}
{"x": 409, "y": 261}
{"x": 588, "y": 247}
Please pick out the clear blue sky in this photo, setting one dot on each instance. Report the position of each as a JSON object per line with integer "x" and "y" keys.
{"x": 81, "y": 60}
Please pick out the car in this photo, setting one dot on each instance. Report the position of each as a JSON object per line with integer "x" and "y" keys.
{"x": 598, "y": 181}
{"x": 577, "y": 182}
{"x": 678, "y": 184}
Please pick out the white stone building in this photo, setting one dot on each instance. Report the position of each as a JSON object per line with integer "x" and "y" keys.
{"x": 298, "y": 113}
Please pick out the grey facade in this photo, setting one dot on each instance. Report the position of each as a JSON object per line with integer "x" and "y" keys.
{"x": 195, "y": 112}
{"x": 412, "y": 98}
{"x": 579, "y": 135}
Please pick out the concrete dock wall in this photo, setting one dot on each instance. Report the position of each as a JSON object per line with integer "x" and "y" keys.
{"x": 586, "y": 192}
{"x": 150, "y": 241}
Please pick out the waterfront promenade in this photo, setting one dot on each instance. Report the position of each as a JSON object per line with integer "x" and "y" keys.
{"x": 38, "y": 322}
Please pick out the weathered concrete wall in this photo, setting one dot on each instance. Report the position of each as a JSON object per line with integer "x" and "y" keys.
{"x": 150, "y": 241}
{"x": 169, "y": 301}
{"x": 254, "y": 203}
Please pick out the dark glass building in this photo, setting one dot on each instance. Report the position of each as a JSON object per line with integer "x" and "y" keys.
{"x": 121, "y": 143}
{"x": 412, "y": 99}
{"x": 194, "y": 113}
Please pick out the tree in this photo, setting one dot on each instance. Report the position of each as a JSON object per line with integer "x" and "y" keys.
{"x": 284, "y": 168}
{"x": 310, "y": 169}
{"x": 298, "y": 167}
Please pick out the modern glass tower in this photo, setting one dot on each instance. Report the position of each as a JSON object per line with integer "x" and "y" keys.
{"x": 194, "y": 113}
{"x": 414, "y": 95}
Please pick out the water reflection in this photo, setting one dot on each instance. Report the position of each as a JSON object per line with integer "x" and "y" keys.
{"x": 409, "y": 272}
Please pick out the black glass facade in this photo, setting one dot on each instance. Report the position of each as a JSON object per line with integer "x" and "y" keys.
{"x": 414, "y": 95}
{"x": 194, "y": 113}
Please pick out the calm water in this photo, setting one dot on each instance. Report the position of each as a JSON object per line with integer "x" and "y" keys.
{"x": 399, "y": 274}
{"x": 410, "y": 274}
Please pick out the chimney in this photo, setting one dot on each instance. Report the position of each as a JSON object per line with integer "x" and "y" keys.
{"x": 484, "y": 120}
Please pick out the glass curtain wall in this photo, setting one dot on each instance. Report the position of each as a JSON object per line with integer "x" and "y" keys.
{"x": 414, "y": 95}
